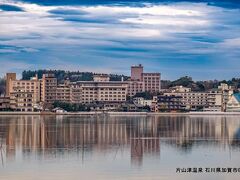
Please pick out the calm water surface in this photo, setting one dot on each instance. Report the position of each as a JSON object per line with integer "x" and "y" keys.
{"x": 111, "y": 147}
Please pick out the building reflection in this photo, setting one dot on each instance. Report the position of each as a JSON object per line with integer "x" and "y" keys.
{"x": 46, "y": 135}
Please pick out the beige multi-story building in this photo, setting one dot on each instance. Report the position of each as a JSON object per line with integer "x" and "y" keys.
{"x": 192, "y": 100}
{"x": 227, "y": 92}
{"x": 32, "y": 85}
{"x": 214, "y": 101}
{"x": 152, "y": 82}
{"x": 75, "y": 93}
{"x": 48, "y": 88}
{"x": 24, "y": 94}
{"x": 22, "y": 100}
{"x": 99, "y": 90}
{"x": 63, "y": 92}
{"x": 135, "y": 87}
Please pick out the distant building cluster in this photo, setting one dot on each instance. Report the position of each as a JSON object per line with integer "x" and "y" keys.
{"x": 182, "y": 98}
{"x": 102, "y": 94}
{"x": 40, "y": 94}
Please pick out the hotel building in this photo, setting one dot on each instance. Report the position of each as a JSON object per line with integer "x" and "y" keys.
{"x": 63, "y": 92}
{"x": 135, "y": 87}
{"x": 152, "y": 82}
{"x": 48, "y": 88}
{"x": 24, "y": 94}
{"x": 143, "y": 82}
{"x": 191, "y": 100}
{"x": 99, "y": 90}
{"x": 214, "y": 100}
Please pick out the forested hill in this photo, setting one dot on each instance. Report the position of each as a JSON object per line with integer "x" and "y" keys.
{"x": 61, "y": 75}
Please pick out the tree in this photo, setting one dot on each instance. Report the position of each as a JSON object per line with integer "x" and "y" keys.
{"x": 70, "y": 107}
{"x": 61, "y": 75}
{"x": 185, "y": 81}
{"x": 2, "y": 86}
{"x": 145, "y": 95}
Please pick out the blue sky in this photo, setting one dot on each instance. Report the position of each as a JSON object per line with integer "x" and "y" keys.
{"x": 177, "y": 38}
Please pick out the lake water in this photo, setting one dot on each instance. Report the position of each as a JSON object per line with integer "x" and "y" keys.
{"x": 119, "y": 147}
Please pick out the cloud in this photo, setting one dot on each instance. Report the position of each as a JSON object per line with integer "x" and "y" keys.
{"x": 160, "y": 36}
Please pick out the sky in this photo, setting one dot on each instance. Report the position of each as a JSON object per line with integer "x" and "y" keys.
{"x": 178, "y": 38}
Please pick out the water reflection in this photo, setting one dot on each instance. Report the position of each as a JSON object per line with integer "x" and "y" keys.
{"x": 46, "y": 136}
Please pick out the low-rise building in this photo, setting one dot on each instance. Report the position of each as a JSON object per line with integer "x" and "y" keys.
{"x": 140, "y": 102}
{"x": 180, "y": 89}
{"x": 192, "y": 100}
{"x": 106, "y": 106}
{"x": 167, "y": 103}
{"x": 5, "y": 103}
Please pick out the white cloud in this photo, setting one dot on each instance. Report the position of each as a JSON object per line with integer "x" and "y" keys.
{"x": 36, "y": 20}
{"x": 150, "y": 32}
{"x": 231, "y": 43}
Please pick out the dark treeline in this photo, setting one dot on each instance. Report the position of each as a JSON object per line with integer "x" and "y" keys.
{"x": 199, "y": 85}
{"x": 62, "y": 75}
{"x": 2, "y": 85}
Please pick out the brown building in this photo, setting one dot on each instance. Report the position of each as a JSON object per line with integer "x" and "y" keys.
{"x": 48, "y": 88}
{"x": 142, "y": 82}
{"x": 9, "y": 78}
{"x": 136, "y": 72}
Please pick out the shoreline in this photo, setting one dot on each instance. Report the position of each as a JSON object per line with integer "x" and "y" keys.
{"x": 122, "y": 113}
